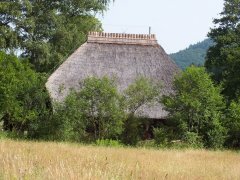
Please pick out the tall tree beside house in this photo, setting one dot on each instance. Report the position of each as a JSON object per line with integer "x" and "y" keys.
{"x": 23, "y": 98}
{"x": 223, "y": 58}
{"x": 47, "y": 31}
{"x": 196, "y": 107}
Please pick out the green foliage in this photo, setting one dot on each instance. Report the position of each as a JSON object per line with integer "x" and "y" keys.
{"x": 196, "y": 106}
{"x": 47, "y": 31}
{"x": 131, "y": 134}
{"x": 23, "y": 98}
{"x": 216, "y": 135}
{"x": 95, "y": 112}
{"x": 223, "y": 58}
{"x": 101, "y": 107}
{"x": 232, "y": 123}
{"x": 68, "y": 123}
{"x": 141, "y": 92}
{"x": 109, "y": 143}
{"x": 194, "y": 54}
{"x": 161, "y": 136}
{"x": 3, "y": 135}
{"x": 193, "y": 140}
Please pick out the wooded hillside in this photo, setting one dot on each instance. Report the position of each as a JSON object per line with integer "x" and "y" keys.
{"x": 194, "y": 54}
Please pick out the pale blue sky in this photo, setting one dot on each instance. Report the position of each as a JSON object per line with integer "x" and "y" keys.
{"x": 177, "y": 23}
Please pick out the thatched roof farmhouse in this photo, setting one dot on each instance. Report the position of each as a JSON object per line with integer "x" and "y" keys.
{"x": 122, "y": 56}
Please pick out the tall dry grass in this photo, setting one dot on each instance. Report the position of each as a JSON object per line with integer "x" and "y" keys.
{"x": 42, "y": 160}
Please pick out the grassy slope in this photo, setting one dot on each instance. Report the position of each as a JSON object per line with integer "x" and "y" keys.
{"x": 29, "y": 160}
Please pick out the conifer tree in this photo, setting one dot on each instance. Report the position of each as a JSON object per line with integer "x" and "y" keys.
{"x": 223, "y": 59}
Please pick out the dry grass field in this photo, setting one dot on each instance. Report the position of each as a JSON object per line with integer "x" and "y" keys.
{"x": 42, "y": 160}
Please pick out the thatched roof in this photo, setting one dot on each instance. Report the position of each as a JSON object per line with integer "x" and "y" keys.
{"x": 122, "y": 56}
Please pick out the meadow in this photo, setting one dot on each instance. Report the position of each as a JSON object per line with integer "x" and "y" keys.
{"x": 52, "y": 160}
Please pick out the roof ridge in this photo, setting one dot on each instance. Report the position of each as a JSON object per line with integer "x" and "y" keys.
{"x": 122, "y": 35}
{"x": 122, "y": 38}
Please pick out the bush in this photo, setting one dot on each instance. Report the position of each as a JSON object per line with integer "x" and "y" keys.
{"x": 161, "y": 136}
{"x": 215, "y": 136}
{"x": 94, "y": 112}
{"x": 193, "y": 140}
{"x": 109, "y": 143}
{"x": 142, "y": 91}
{"x": 72, "y": 125}
{"x": 131, "y": 134}
{"x": 101, "y": 107}
{"x": 3, "y": 135}
{"x": 22, "y": 94}
{"x": 232, "y": 123}
{"x": 12, "y": 135}
{"x": 197, "y": 105}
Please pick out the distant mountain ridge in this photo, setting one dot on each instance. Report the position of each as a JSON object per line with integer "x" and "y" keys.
{"x": 194, "y": 54}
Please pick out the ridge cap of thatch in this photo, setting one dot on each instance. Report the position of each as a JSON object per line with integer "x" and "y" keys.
{"x": 122, "y": 38}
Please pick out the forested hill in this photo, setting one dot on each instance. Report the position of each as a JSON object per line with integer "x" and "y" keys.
{"x": 194, "y": 54}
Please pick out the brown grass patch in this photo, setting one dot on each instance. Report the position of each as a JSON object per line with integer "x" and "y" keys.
{"x": 42, "y": 160}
